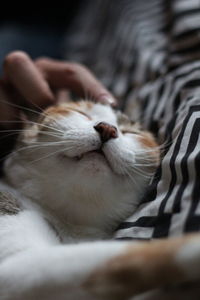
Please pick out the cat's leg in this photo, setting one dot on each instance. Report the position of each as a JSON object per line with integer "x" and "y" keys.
{"x": 173, "y": 263}
{"x": 33, "y": 263}
{"x": 54, "y": 272}
{"x": 23, "y": 230}
{"x": 99, "y": 270}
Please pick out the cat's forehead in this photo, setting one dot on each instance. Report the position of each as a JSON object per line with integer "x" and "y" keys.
{"x": 85, "y": 108}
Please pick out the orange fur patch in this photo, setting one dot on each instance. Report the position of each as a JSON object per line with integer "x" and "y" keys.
{"x": 65, "y": 109}
{"x": 147, "y": 140}
{"x": 57, "y": 110}
{"x": 84, "y": 104}
{"x": 142, "y": 267}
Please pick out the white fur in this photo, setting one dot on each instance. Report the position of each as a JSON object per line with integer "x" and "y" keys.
{"x": 65, "y": 200}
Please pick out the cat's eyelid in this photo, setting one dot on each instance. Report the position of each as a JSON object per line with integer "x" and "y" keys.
{"x": 129, "y": 131}
{"x": 81, "y": 112}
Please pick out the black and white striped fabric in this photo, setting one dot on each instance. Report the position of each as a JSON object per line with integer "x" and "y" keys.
{"x": 148, "y": 54}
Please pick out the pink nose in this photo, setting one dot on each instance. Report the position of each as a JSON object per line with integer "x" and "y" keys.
{"x": 106, "y": 131}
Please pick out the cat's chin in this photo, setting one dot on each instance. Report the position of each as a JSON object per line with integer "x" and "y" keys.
{"x": 94, "y": 153}
{"x": 94, "y": 161}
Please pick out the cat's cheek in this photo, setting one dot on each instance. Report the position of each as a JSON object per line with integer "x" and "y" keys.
{"x": 149, "y": 145}
{"x": 120, "y": 153}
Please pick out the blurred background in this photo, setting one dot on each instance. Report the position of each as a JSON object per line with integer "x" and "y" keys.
{"x": 38, "y": 31}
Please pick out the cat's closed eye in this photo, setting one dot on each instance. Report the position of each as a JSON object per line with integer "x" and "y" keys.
{"x": 82, "y": 113}
{"x": 129, "y": 132}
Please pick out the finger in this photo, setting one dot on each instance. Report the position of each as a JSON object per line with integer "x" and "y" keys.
{"x": 20, "y": 70}
{"x": 76, "y": 78}
{"x": 62, "y": 96}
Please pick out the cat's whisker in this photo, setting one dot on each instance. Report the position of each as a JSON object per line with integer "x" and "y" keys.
{"x": 41, "y": 113}
{"x": 145, "y": 165}
{"x": 37, "y": 106}
{"x": 23, "y": 107}
{"x": 14, "y": 152}
{"x": 149, "y": 150}
{"x": 144, "y": 158}
{"x": 7, "y": 135}
{"x": 48, "y": 127}
{"x": 130, "y": 176}
{"x": 32, "y": 123}
{"x": 18, "y": 131}
{"x": 46, "y": 156}
{"x": 45, "y": 126}
{"x": 16, "y": 121}
{"x": 141, "y": 172}
{"x": 12, "y": 130}
{"x": 51, "y": 143}
{"x": 51, "y": 154}
{"x": 90, "y": 98}
{"x": 130, "y": 171}
{"x": 35, "y": 147}
{"x": 160, "y": 147}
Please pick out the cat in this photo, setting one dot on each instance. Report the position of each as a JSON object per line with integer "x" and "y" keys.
{"x": 77, "y": 171}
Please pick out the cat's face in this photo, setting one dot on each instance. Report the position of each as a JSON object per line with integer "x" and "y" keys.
{"x": 84, "y": 159}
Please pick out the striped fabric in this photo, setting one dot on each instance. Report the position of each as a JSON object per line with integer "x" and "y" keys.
{"x": 148, "y": 54}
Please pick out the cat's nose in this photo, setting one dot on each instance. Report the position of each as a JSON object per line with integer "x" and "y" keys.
{"x": 106, "y": 131}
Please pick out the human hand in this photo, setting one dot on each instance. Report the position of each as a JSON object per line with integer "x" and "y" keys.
{"x": 37, "y": 84}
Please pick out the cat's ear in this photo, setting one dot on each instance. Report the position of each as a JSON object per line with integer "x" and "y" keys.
{"x": 122, "y": 118}
{"x": 125, "y": 120}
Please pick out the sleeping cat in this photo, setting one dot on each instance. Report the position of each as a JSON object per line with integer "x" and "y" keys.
{"x": 75, "y": 174}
